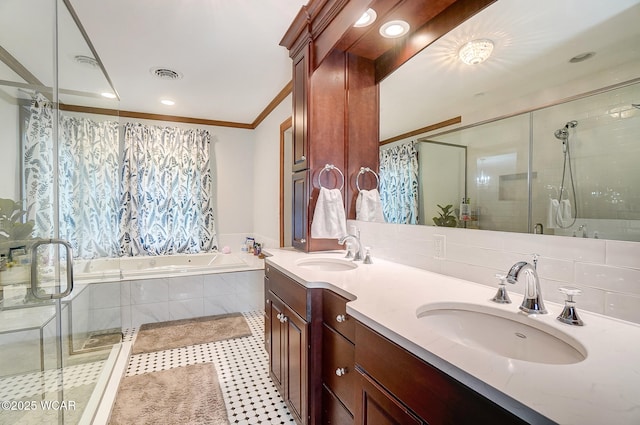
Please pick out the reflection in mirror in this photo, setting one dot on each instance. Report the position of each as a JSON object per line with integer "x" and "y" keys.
{"x": 535, "y": 82}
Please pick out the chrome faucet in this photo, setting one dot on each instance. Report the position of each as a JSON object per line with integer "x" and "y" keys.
{"x": 357, "y": 255}
{"x": 532, "y": 302}
{"x": 583, "y": 227}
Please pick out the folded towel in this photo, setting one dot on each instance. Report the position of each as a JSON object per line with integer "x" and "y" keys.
{"x": 565, "y": 211}
{"x": 369, "y": 206}
{"x": 552, "y": 216}
{"x": 329, "y": 219}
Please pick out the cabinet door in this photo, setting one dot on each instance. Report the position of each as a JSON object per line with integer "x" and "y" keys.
{"x": 277, "y": 365}
{"x": 297, "y": 368}
{"x": 375, "y": 406}
{"x": 300, "y": 195}
{"x": 300, "y": 110}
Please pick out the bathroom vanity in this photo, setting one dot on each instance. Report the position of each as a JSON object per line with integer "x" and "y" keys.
{"x": 365, "y": 345}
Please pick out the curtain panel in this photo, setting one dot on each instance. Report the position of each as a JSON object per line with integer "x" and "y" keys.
{"x": 86, "y": 180}
{"x": 166, "y": 204}
{"x": 399, "y": 183}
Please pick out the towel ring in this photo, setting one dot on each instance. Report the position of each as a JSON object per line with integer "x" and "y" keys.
{"x": 328, "y": 167}
{"x": 365, "y": 170}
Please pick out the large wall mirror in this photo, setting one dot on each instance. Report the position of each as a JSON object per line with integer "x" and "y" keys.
{"x": 550, "y": 122}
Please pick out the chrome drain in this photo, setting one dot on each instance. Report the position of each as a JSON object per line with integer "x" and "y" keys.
{"x": 521, "y": 335}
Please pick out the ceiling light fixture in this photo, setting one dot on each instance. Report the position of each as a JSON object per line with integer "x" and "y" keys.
{"x": 366, "y": 19}
{"x": 167, "y": 102}
{"x": 394, "y": 29}
{"x": 476, "y": 51}
{"x": 108, "y": 95}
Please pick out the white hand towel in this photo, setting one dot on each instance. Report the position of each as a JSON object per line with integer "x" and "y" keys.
{"x": 369, "y": 206}
{"x": 552, "y": 215}
{"x": 565, "y": 211}
{"x": 329, "y": 219}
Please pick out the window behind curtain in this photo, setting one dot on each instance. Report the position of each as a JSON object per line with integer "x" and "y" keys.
{"x": 166, "y": 205}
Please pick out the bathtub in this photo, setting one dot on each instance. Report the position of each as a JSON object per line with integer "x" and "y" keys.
{"x": 129, "y": 268}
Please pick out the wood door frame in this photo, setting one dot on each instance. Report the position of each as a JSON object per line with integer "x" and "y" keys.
{"x": 284, "y": 126}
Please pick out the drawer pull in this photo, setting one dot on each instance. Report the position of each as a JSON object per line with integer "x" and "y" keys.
{"x": 279, "y": 316}
{"x": 341, "y": 318}
{"x": 341, "y": 371}
{"x": 284, "y": 319}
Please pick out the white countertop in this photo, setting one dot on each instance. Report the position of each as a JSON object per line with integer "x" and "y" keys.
{"x": 602, "y": 389}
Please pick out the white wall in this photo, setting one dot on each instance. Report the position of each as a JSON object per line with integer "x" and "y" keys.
{"x": 266, "y": 179}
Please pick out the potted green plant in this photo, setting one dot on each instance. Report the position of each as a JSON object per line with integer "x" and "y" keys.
{"x": 13, "y": 231}
{"x": 446, "y": 218}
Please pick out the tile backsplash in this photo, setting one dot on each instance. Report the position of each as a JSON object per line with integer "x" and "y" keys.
{"x": 608, "y": 272}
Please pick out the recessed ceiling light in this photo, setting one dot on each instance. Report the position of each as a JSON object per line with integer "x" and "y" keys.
{"x": 108, "y": 95}
{"x": 476, "y": 51}
{"x": 394, "y": 29}
{"x": 582, "y": 57}
{"x": 167, "y": 102}
{"x": 366, "y": 19}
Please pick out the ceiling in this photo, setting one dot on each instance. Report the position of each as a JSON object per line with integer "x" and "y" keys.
{"x": 533, "y": 44}
{"x": 232, "y": 66}
{"x": 226, "y": 50}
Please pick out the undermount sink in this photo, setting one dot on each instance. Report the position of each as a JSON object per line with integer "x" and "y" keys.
{"x": 326, "y": 264}
{"x": 502, "y": 333}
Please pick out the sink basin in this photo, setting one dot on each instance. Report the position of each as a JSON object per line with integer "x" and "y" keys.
{"x": 326, "y": 264}
{"x": 503, "y": 333}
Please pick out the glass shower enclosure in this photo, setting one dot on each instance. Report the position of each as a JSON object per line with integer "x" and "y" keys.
{"x": 59, "y": 335}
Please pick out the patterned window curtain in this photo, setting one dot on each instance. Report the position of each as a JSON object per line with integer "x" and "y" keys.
{"x": 399, "y": 183}
{"x": 166, "y": 205}
{"x": 88, "y": 170}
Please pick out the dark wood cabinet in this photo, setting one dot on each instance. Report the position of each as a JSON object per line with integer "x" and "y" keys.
{"x": 376, "y": 406}
{"x": 288, "y": 342}
{"x": 338, "y": 360}
{"x": 300, "y": 199}
{"x": 390, "y": 375}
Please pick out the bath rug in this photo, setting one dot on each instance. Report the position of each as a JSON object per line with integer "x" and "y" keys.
{"x": 181, "y": 333}
{"x": 183, "y": 395}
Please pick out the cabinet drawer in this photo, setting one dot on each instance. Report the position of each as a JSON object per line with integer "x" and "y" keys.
{"x": 432, "y": 394}
{"x": 338, "y": 366}
{"x": 291, "y": 292}
{"x": 334, "y": 314}
{"x": 334, "y": 412}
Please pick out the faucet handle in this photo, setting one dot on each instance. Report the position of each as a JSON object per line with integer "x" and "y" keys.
{"x": 569, "y": 314}
{"x": 349, "y": 250}
{"x": 501, "y": 297}
{"x": 367, "y": 256}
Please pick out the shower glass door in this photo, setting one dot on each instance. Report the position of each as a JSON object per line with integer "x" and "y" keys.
{"x": 60, "y": 328}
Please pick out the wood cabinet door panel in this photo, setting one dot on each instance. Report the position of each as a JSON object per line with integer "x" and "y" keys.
{"x": 377, "y": 407}
{"x": 300, "y": 201}
{"x": 296, "y": 350}
{"x": 288, "y": 290}
{"x": 276, "y": 343}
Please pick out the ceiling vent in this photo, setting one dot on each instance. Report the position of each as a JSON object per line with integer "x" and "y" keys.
{"x": 86, "y": 61}
{"x": 166, "y": 73}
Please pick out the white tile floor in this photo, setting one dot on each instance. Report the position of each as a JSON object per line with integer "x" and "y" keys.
{"x": 243, "y": 373}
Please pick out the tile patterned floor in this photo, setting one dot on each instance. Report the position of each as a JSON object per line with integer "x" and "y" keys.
{"x": 243, "y": 373}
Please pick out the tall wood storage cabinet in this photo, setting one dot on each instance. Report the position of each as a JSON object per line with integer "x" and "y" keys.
{"x": 335, "y": 106}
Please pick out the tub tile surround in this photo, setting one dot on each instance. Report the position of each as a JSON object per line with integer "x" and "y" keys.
{"x": 602, "y": 388}
{"x": 184, "y": 297}
{"x": 608, "y": 272}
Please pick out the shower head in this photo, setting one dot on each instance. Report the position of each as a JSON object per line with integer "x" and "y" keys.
{"x": 563, "y": 133}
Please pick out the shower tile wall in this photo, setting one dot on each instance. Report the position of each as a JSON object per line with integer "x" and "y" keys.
{"x": 604, "y": 147}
